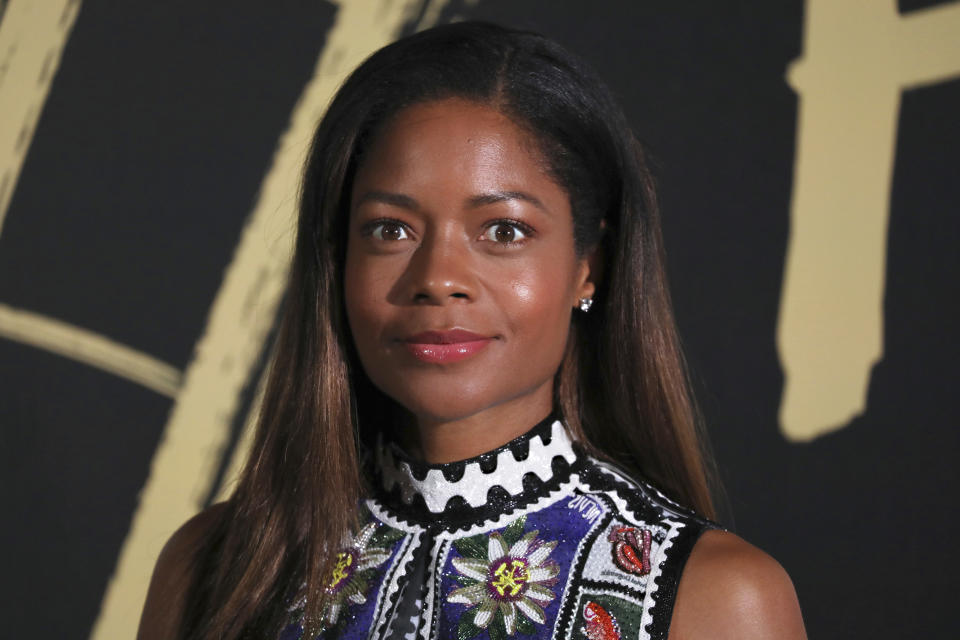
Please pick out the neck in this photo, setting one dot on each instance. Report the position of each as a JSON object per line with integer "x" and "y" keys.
{"x": 439, "y": 441}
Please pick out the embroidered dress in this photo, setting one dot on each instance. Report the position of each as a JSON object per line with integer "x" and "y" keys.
{"x": 531, "y": 540}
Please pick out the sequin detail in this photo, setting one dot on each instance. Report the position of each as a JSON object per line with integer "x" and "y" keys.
{"x": 598, "y": 624}
{"x": 630, "y": 551}
{"x": 505, "y": 581}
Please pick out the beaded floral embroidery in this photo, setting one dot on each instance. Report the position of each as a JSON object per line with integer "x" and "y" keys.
{"x": 353, "y": 571}
{"x": 505, "y": 582}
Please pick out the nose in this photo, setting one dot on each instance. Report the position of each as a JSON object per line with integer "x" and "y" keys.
{"x": 440, "y": 272}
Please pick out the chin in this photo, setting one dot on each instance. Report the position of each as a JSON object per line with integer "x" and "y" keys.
{"x": 443, "y": 407}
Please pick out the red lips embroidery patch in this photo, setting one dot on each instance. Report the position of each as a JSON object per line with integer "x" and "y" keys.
{"x": 631, "y": 549}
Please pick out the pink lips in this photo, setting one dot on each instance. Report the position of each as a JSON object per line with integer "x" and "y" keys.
{"x": 445, "y": 346}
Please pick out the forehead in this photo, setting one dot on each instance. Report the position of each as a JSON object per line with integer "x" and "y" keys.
{"x": 454, "y": 139}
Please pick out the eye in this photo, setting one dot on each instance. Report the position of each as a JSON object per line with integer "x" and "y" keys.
{"x": 387, "y": 230}
{"x": 507, "y": 232}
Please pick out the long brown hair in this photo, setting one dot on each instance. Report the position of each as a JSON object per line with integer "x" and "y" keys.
{"x": 622, "y": 388}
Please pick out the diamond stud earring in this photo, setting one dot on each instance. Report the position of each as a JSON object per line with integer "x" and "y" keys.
{"x": 585, "y": 304}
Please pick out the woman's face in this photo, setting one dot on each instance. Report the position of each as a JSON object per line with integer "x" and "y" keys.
{"x": 461, "y": 273}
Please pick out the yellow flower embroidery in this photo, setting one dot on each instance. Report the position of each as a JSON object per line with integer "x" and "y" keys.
{"x": 505, "y": 582}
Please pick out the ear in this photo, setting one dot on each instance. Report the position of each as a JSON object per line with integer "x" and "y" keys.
{"x": 589, "y": 273}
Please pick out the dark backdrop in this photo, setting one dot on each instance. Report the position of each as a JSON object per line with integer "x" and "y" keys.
{"x": 145, "y": 163}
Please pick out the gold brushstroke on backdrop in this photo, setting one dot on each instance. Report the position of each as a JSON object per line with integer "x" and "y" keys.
{"x": 32, "y": 37}
{"x": 89, "y": 348}
{"x": 198, "y": 430}
{"x": 858, "y": 57}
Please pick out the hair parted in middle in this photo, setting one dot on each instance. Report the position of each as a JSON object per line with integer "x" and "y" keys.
{"x": 622, "y": 389}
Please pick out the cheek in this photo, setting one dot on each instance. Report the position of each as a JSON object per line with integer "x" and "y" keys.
{"x": 361, "y": 291}
{"x": 541, "y": 310}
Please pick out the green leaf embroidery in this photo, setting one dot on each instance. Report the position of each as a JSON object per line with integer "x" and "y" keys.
{"x": 497, "y": 628}
{"x": 385, "y": 536}
{"x": 472, "y": 547}
{"x": 514, "y": 530}
{"x": 466, "y": 629}
{"x": 525, "y": 625}
{"x": 367, "y": 575}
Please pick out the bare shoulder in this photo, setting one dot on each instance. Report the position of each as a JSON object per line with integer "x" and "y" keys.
{"x": 172, "y": 574}
{"x": 731, "y": 589}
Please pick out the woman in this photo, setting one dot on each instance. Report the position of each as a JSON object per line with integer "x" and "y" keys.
{"x": 477, "y": 349}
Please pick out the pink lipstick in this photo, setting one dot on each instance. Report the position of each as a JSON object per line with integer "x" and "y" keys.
{"x": 441, "y": 347}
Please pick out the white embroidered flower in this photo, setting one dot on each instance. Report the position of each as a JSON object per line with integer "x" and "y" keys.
{"x": 507, "y": 582}
{"x": 348, "y": 581}
{"x": 353, "y": 569}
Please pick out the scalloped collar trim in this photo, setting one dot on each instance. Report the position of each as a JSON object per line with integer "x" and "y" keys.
{"x": 436, "y": 483}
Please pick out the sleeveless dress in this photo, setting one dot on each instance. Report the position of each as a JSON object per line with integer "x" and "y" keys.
{"x": 534, "y": 539}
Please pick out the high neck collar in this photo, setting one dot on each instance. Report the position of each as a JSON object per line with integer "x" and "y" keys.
{"x": 478, "y": 488}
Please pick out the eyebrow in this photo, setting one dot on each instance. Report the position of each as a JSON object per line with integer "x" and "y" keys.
{"x": 501, "y": 196}
{"x": 386, "y": 197}
{"x": 406, "y": 202}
